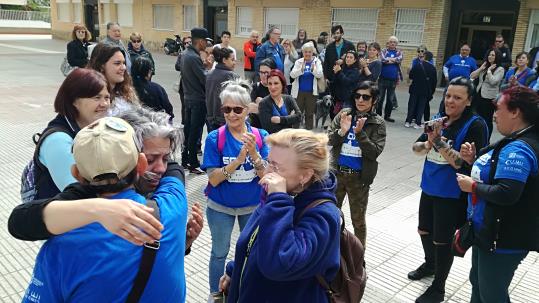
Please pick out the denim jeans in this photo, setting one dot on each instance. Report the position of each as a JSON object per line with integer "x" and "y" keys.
{"x": 491, "y": 275}
{"x": 221, "y": 225}
{"x": 387, "y": 87}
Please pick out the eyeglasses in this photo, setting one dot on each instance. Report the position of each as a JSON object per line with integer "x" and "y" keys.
{"x": 264, "y": 73}
{"x": 362, "y": 97}
{"x": 499, "y": 41}
{"x": 81, "y": 32}
{"x": 273, "y": 166}
{"x": 136, "y": 41}
{"x": 227, "y": 109}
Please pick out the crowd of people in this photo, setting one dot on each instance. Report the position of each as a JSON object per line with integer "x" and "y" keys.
{"x": 113, "y": 139}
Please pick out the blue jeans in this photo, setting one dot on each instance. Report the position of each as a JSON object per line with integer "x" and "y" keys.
{"x": 491, "y": 275}
{"x": 221, "y": 225}
{"x": 387, "y": 87}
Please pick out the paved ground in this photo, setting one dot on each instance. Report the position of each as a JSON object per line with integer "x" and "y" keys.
{"x": 29, "y": 79}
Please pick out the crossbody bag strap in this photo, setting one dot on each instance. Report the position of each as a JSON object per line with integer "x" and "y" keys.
{"x": 149, "y": 253}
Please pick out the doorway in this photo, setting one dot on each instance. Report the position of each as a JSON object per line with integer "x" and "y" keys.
{"x": 91, "y": 18}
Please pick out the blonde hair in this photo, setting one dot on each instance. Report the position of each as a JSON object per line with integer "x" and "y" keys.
{"x": 311, "y": 149}
{"x": 135, "y": 35}
{"x": 293, "y": 51}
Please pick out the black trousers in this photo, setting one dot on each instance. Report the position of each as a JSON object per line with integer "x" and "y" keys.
{"x": 416, "y": 108}
{"x": 484, "y": 108}
{"x": 195, "y": 118}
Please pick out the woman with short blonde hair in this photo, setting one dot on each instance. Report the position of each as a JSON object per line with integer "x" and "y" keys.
{"x": 287, "y": 251}
{"x": 77, "y": 49}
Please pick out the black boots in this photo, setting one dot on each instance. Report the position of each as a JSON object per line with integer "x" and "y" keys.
{"x": 426, "y": 269}
{"x": 444, "y": 259}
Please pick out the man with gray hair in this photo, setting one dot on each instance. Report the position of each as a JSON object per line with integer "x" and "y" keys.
{"x": 114, "y": 37}
{"x": 271, "y": 49}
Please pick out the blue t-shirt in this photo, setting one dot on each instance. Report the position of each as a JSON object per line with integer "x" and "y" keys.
{"x": 350, "y": 155}
{"x": 458, "y": 66}
{"x": 55, "y": 154}
{"x": 522, "y": 77}
{"x": 90, "y": 264}
{"x": 516, "y": 161}
{"x": 390, "y": 71}
{"x": 338, "y": 48}
{"x": 306, "y": 80}
{"x": 277, "y": 57}
{"x": 242, "y": 190}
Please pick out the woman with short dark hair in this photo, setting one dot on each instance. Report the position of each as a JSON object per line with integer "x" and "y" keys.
{"x": 357, "y": 136}
{"x": 77, "y": 49}
{"x": 502, "y": 200}
{"x": 83, "y": 97}
{"x": 278, "y": 111}
{"x": 149, "y": 93}
{"x": 521, "y": 74}
{"x": 442, "y": 206}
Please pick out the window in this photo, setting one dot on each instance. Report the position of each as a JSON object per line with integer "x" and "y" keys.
{"x": 77, "y": 9}
{"x": 358, "y": 23}
{"x": 410, "y": 25}
{"x": 163, "y": 17}
{"x": 286, "y": 19}
{"x": 105, "y": 8}
{"x": 125, "y": 14}
{"x": 189, "y": 17}
{"x": 63, "y": 10}
{"x": 244, "y": 21}
{"x": 532, "y": 39}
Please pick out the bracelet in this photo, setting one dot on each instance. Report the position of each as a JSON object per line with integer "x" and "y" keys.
{"x": 474, "y": 186}
{"x": 474, "y": 195}
{"x": 226, "y": 173}
{"x": 259, "y": 164}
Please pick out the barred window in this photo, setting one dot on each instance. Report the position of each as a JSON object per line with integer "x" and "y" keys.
{"x": 105, "y": 8}
{"x": 189, "y": 17}
{"x": 163, "y": 17}
{"x": 409, "y": 26}
{"x": 77, "y": 9}
{"x": 244, "y": 21}
{"x": 286, "y": 19}
{"x": 358, "y": 23}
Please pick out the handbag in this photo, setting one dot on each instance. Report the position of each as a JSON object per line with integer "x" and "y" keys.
{"x": 65, "y": 68}
{"x": 463, "y": 238}
{"x": 321, "y": 83}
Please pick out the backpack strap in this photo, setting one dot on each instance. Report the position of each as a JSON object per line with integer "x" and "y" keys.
{"x": 221, "y": 138}
{"x": 39, "y": 138}
{"x": 149, "y": 253}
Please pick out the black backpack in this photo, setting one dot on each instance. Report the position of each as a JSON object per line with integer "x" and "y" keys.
{"x": 349, "y": 284}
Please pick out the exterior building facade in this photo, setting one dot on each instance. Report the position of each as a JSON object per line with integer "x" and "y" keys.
{"x": 441, "y": 25}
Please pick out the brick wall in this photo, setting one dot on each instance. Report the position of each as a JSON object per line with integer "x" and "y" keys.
{"x": 523, "y": 20}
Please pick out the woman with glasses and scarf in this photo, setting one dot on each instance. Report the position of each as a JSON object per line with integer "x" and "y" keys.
{"x": 358, "y": 137}
{"x": 234, "y": 157}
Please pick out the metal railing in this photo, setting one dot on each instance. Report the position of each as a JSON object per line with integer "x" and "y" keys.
{"x": 25, "y": 15}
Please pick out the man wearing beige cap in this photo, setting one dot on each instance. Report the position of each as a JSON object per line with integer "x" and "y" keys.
{"x": 89, "y": 264}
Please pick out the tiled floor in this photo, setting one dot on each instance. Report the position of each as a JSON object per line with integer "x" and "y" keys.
{"x": 28, "y": 82}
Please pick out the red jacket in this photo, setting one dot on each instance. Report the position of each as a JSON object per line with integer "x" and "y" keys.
{"x": 249, "y": 51}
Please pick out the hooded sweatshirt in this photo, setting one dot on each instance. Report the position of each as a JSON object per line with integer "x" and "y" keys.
{"x": 285, "y": 257}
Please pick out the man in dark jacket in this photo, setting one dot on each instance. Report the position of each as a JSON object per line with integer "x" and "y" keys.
{"x": 499, "y": 43}
{"x": 194, "y": 86}
{"x": 335, "y": 51}
{"x": 423, "y": 76}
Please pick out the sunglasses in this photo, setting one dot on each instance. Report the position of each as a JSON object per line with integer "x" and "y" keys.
{"x": 362, "y": 96}
{"x": 227, "y": 109}
{"x": 420, "y": 51}
{"x": 499, "y": 41}
{"x": 136, "y": 41}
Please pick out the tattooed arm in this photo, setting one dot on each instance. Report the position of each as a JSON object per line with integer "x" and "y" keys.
{"x": 421, "y": 148}
{"x": 452, "y": 156}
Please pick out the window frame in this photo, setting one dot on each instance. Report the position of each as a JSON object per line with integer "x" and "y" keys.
{"x": 185, "y": 26}
{"x": 361, "y": 25}
{"x": 166, "y": 8}
{"x": 267, "y": 25}
{"x": 251, "y": 11}
{"x": 398, "y": 32}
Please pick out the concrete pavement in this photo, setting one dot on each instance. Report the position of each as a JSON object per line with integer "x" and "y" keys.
{"x": 29, "y": 79}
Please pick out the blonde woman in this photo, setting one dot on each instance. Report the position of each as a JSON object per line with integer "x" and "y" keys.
{"x": 284, "y": 254}
{"x": 290, "y": 56}
{"x": 306, "y": 73}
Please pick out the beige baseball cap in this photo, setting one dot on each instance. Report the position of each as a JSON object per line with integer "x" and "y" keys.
{"x": 106, "y": 146}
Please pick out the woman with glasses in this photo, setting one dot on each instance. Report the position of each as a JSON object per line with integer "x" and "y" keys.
{"x": 357, "y": 136}
{"x": 521, "y": 74}
{"x": 234, "y": 157}
{"x": 287, "y": 252}
{"x": 278, "y": 111}
{"x": 136, "y": 49}
{"x": 77, "y": 49}
{"x": 424, "y": 79}
{"x": 260, "y": 90}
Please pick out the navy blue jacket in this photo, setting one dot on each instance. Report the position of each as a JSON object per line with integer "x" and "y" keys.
{"x": 424, "y": 79}
{"x": 345, "y": 81}
{"x": 285, "y": 258}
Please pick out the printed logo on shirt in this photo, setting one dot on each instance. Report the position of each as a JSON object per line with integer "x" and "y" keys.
{"x": 348, "y": 148}
{"x": 434, "y": 156}
{"x": 241, "y": 175}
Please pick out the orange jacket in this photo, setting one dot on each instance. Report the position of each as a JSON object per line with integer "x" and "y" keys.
{"x": 249, "y": 51}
